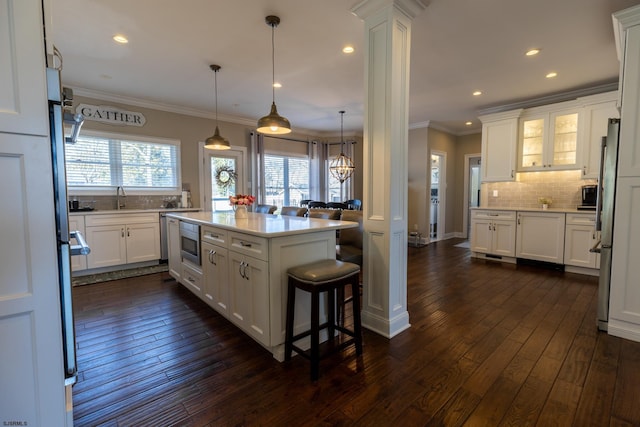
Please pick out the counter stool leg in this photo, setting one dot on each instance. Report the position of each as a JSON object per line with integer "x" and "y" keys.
{"x": 315, "y": 336}
{"x": 357, "y": 324}
{"x": 331, "y": 313}
{"x": 291, "y": 301}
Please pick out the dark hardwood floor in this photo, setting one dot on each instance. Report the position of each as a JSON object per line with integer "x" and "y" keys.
{"x": 490, "y": 344}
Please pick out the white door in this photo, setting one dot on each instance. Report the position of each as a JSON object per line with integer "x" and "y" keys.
{"x": 223, "y": 175}
{"x": 31, "y": 355}
{"x": 437, "y": 196}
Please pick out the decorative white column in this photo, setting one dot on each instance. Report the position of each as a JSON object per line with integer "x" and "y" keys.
{"x": 387, "y": 51}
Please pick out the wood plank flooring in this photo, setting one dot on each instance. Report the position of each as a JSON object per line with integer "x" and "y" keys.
{"x": 489, "y": 345}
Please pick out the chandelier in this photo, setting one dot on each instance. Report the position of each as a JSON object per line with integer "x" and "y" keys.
{"x": 342, "y": 166}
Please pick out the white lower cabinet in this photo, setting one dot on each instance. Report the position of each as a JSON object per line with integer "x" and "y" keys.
{"x": 249, "y": 295}
{"x": 122, "y": 239}
{"x": 493, "y": 232}
{"x": 215, "y": 267}
{"x": 173, "y": 248}
{"x": 191, "y": 277}
{"x": 580, "y": 236}
{"x": 540, "y": 236}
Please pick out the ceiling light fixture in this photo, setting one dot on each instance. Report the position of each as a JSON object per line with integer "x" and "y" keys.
{"x": 342, "y": 166}
{"x": 216, "y": 142}
{"x": 348, "y": 49}
{"x": 477, "y": 93}
{"x": 532, "y": 52}
{"x": 551, "y": 75}
{"x": 119, "y": 38}
{"x": 273, "y": 123}
{"x": 468, "y": 123}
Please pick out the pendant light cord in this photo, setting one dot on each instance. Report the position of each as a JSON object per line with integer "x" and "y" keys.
{"x": 215, "y": 79}
{"x": 342, "y": 131}
{"x": 273, "y": 64}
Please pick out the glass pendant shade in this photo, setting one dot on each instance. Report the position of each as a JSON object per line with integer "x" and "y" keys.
{"x": 273, "y": 123}
{"x": 342, "y": 167}
{"x": 216, "y": 142}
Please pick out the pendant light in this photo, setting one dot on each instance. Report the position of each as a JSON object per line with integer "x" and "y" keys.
{"x": 216, "y": 142}
{"x": 273, "y": 123}
{"x": 342, "y": 166}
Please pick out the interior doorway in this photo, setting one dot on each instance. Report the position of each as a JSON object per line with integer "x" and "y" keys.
{"x": 472, "y": 186}
{"x": 438, "y": 192}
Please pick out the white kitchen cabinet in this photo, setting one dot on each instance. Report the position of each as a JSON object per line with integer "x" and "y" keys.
{"x": 499, "y": 143}
{"x": 249, "y": 295}
{"x": 173, "y": 248}
{"x": 540, "y": 236}
{"x": 215, "y": 268}
{"x": 23, "y": 104}
{"x": 594, "y": 120}
{"x": 192, "y": 278}
{"x": 76, "y": 223}
{"x": 580, "y": 236}
{"x": 624, "y": 305}
{"x": 122, "y": 239}
{"x": 548, "y": 141}
{"x": 493, "y": 232}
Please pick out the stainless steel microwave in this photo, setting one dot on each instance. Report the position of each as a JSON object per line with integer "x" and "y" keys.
{"x": 190, "y": 242}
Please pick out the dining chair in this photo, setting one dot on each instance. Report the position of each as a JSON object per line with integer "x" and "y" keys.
{"x": 354, "y": 204}
{"x": 316, "y": 204}
{"x": 337, "y": 205}
{"x": 305, "y": 202}
{"x": 268, "y": 209}
{"x": 293, "y": 211}
{"x": 324, "y": 213}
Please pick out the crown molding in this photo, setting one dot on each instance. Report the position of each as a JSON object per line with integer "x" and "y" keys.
{"x": 551, "y": 99}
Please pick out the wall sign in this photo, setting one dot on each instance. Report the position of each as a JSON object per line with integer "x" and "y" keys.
{"x": 111, "y": 115}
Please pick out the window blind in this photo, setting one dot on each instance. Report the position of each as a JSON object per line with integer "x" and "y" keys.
{"x": 106, "y": 161}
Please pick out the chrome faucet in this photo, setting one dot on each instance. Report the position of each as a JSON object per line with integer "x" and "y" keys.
{"x": 119, "y": 204}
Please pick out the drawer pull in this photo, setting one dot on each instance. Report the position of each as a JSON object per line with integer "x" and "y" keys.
{"x": 212, "y": 259}
{"x": 212, "y": 236}
{"x": 245, "y": 245}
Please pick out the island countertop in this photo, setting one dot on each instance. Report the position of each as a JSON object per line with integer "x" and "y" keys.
{"x": 264, "y": 225}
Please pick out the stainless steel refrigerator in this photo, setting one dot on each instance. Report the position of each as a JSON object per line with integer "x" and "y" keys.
{"x": 604, "y": 216}
{"x": 58, "y": 116}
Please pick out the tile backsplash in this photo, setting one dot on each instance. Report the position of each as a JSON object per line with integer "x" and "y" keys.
{"x": 131, "y": 202}
{"x": 563, "y": 187}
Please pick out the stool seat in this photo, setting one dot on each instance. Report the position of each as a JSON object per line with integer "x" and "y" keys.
{"x": 320, "y": 272}
{"x": 328, "y": 276}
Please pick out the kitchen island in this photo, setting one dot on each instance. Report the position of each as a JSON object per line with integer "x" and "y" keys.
{"x": 241, "y": 272}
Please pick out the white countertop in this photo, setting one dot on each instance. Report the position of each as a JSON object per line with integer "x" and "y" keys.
{"x": 264, "y": 225}
{"x": 550, "y": 210}
{"x": 132, "y": 211}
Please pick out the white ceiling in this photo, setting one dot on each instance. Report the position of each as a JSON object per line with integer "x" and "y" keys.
{"x": 458, "y": 46}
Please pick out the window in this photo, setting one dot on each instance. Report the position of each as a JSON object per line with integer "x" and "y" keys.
{"x": 286, "y": 180}
{"x": 100, "y": 161}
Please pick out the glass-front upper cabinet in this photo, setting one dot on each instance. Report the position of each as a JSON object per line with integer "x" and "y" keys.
{"x": 549, "y": 142}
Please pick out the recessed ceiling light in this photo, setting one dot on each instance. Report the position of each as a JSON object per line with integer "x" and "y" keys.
{"x": 119, "y": 38}
{"x": 348, "y": 49}
{"x": 532, "y": 52}
{"x": 551, "y": 75}
{"x": 276, "y": 84}
{"x": 468, "y": 123}
{"x": 477, "y": 93}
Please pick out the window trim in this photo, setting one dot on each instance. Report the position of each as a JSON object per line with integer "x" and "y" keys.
{"x": 109, "y": 190}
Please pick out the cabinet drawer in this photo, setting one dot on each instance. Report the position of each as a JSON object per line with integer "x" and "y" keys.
{"x": 250, "y": 245}
{"x": 117, "y": 219}
{"x": 581, "y": 219}
{"x": 192, "y": 279}
{"x": 493, "y": 215}
{"x": 216, "y": 236}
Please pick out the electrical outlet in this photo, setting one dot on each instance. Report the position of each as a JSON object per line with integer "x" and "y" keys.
{"x": 495, "y": 193}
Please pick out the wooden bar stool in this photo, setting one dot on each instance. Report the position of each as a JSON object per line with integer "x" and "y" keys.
{"x": 327, "y": 276}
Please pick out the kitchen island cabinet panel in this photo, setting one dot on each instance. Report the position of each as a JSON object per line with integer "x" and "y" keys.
{"x": 173, "y": 248}
{"x": 249, "y": 295}
{"x": 215, "y": 267}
